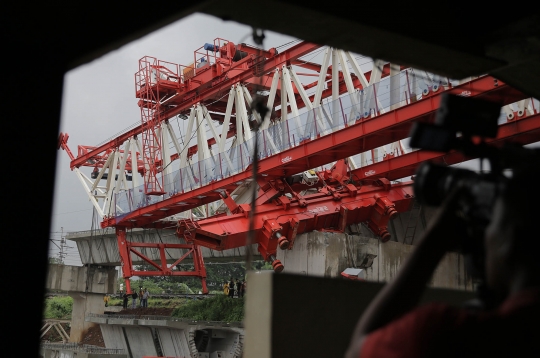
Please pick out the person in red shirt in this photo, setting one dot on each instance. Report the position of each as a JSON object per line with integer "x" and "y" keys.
{"x": 392, "y": 325}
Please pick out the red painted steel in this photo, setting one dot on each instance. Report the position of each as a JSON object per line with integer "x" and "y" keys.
{"x": 96, "y": 156}
{"x": 193, "y": 93}
{"x": 365, "y": 135}
{"x": 150, "y": 106}
{"x": 524, "y": 130}
{"x": 126, "y": 248}
{"x": 166, "y": 90}
{"x": 374, "y": 204}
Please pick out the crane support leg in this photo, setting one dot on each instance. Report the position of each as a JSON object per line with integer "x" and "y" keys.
{"x": 161, "y": 267}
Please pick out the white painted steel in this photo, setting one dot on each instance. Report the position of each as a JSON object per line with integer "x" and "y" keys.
{"x": 227, "y": 120}
{"x": 134, "y": 163}
{"x": 88, "y": 191}
{"x": 335, "y": 88}
{"x": 271, "y": 99}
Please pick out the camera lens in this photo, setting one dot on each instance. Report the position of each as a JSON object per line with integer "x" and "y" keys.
{"x": 427, "y": 183}
{"x": 434, "y": 182}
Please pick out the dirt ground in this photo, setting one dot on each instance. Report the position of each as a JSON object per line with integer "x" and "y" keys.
{"x": 147, "y": 311}
{"x": 93, "y": 337}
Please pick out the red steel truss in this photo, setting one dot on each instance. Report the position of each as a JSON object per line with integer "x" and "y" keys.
{"x": 365, "y": 135}
{"x": 126, "y": 248}
{"x": 344, "y": 196}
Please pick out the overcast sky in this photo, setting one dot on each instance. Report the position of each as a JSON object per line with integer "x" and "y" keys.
{"x": 99, "y": 101}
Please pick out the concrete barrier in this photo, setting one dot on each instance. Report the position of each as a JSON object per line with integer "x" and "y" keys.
{"x": 73, "y": 350}
{"x": 163, "y": 336}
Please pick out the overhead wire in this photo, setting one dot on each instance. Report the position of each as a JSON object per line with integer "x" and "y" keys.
{"x": 288, "y": 43}
{"x": 257, "y": 105}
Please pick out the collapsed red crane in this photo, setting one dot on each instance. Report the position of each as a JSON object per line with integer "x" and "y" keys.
{"x": 345, "y": 195}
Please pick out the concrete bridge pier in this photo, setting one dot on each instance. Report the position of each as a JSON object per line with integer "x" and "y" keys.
{"x": 87, "y": 285}
{"x": 327, "y": 254}
{"x": 84, "y": 303}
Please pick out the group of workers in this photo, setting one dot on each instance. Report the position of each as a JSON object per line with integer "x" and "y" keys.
{"x": 142, "y": 296}
{"x": 234, "y": 288}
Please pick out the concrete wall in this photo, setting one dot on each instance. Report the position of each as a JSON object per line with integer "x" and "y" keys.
{"x": 70, "y": 350}
{"x": 113, "y": 336}
{"x": 87, "y": 285}
{"x": 66, "y": 353}
{"x": 141, "y": 341}
{"x": 84, "y": 303}
{"x": 174, "y": 342}
{"x": 223, "y": 341}
{"x": 81, "y": 278}
{"x": 297, "y": 316}
{"x": 165, "y": 336}
{"x": 327, "y": 254}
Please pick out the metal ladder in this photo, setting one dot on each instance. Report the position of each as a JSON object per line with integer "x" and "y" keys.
{"x": 412, "y": 222}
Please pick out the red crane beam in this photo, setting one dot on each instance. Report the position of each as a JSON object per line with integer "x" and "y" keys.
{"x": 525, "y": 130}
{"x": 190, "y": 98}
{"x": 85, "y": 157}
{"x": 522, "y": 130}
{"x": 360, "y": 137}
{"x": 278, "y": 223}
{"x": 196, "y": 96}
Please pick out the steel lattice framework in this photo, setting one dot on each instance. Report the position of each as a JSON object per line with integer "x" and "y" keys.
{"x": 328, "y": 150}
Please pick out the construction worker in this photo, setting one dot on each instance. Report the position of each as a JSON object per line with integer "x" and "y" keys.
{"x": 106, "y": 299}
{"x": 146, "y": 294}
{"x": 238, "y": 288}
{"x": 134, "y": 298}
{"x": 225, "y": 288}
{"x": 125, "y": 299}
{"x": 231, "y": 288}
{"x": 243, "y": 288}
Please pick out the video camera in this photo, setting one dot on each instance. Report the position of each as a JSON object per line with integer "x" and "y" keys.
{"x": 463, "y": 124}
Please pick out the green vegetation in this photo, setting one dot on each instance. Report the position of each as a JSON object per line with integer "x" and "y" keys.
{"x": 58, "y": 307}
{"x": 159, "y": 286}
{"x": 217, "y": 308}
{"x": 153, "y": 302}
{"x": 216, "y": 273}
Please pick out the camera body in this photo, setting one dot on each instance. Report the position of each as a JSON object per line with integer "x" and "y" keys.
{"x": 463, "y": 124}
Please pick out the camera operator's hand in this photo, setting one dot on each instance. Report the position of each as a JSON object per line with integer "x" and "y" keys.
{"x": 447, "y": 229}
{"x": 445, "y": 232}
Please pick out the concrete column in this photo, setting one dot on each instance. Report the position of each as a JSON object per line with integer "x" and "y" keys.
{"x": 83, "y": 304}
{"x": 327, "y": 254}
{"x": 87, "y": 285}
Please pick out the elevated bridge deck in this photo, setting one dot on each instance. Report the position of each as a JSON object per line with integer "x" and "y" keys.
{"x": 100, "y": 247}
